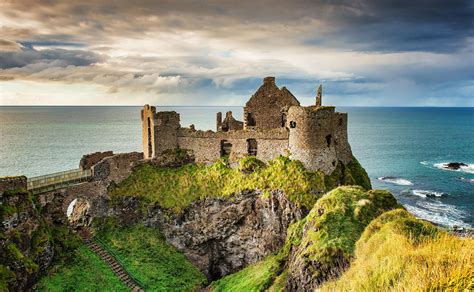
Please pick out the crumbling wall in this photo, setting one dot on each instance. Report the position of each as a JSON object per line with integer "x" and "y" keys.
{"x": 88, "y": 160}
{"x": 148, "y": 114}
{"x": 229, "y": 123}
{"x": 166, "y": 129}
{"x": 12, "y": 183}
{"x": 318, "y": 137}
{"x": 116, "y": 168}
{"x": 267, "y": 106}
{"x": 206, "y": 145}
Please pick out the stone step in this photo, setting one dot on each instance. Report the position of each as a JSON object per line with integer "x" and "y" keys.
{"x": 113, "y": 265}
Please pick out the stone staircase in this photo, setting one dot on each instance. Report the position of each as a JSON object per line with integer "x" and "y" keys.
{"x": 111, "y": 261}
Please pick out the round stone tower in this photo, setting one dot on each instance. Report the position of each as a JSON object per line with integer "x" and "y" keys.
{"x": 312, "y": 137}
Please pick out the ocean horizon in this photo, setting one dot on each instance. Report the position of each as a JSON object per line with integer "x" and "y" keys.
{"x": 403, "y": 149}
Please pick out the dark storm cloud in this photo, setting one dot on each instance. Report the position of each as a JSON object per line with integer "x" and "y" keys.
{"x": 355, "y": 48}
{"x": 391, "y": 26}
{"x": 434, "y": 25}
{"x": 50, "y": 57}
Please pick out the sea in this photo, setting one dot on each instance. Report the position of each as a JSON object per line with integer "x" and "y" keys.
{"x": 404, "y": 150}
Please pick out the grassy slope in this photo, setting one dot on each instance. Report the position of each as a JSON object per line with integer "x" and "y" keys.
{"x": 398, "y": 252}
{"x": 154, "y": 262}
{"x": 175, "y": 189}
{"x": 332, "y": 227}
{"x": 145, "y": 254}
{"x": 86, "y": 272}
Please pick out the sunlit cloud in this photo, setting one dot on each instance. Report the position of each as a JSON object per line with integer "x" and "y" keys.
{"x": 216, "y": 52}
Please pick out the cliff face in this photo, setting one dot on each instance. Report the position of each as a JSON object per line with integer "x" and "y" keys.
{"x": 225, "y": 219}
{"x": 223, "y": 236}
{"x": 29, "y": 241}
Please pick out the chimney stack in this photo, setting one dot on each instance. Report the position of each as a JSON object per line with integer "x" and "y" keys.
{"x": 319, "y": 96}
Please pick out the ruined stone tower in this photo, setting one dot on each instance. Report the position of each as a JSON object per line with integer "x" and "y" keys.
{"x": 274, "y": 123}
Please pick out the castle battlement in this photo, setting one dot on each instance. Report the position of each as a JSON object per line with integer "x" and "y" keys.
{"x": 274, "y": 123}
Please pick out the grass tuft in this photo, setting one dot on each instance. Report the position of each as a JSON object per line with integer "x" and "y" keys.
{"x": 398, "y": 252}
{"x": 175, "y": 188}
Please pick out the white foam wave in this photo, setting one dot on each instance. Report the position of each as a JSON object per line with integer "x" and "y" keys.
{"x": 426, "y": 193}
{"x": 468, "y": 168}
{"x": 469, "y": 180}
{"x": 439, "y": 213}
{"x": 396, "y": 180}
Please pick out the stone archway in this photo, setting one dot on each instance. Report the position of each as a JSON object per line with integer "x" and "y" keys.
{"x": 77, "y": 212}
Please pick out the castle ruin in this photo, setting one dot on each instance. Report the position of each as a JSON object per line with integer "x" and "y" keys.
{"x": 274, "y": 123}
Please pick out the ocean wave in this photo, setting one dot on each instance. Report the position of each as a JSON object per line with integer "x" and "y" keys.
{"x": 438, "y": 213}
{"x": 426, "y": 193}
{"x": 437, "y": 217}
{"x": 468, "y": 168}
{"x": 465, "y": 179}
{"x": 396, "y": 180}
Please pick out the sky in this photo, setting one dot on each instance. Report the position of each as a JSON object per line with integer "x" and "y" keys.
{"x": 122, "y": 52}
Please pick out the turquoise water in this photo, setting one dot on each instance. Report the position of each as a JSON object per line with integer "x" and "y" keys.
{"x": 405, "y": 144}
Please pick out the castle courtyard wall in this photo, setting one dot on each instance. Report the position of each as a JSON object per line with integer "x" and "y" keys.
{"x": 206, "y": 145}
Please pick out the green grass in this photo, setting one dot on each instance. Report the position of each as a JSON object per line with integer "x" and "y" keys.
{"x": 325, "y": 238}
{"x": 268, "y": 272}
{"x": 149, "y": 258}
{"x": 398, "y": 252}
{"x": 175, "y": 188}
{"x": 85, "y": 272}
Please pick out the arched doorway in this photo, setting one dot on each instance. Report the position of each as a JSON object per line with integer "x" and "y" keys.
{"x": 78, "y": 212}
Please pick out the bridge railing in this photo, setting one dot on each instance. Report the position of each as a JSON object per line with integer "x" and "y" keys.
{"x": 58, "y": 178}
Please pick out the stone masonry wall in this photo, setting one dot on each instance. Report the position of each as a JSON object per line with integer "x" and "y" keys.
{"x": 318, "y": 137}
{"x": 207, "y": 145}
{"x": 12, "y": 183}
{"x": 87, "y": 161}
{"x": 267, "y": 104}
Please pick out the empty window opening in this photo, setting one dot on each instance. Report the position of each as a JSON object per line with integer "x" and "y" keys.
{"x": 283, "y": 119}
{"x": 226, "y": 148}
{"x": 340, "y": 121}
{"x": 150, "y": 150}
{"x": 328, "y": 140}
{"x": 252, "y": 147}
{"x": 250, "y": 119}
{"x": 292, "y": 124}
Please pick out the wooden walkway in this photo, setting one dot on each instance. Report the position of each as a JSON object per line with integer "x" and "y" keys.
{"x": 58, "y": 180}
{"x": 101, "y": 250}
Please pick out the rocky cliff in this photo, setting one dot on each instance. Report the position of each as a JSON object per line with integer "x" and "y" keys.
{"x": 221, "y": 236}
{"x": 29, "y": 240}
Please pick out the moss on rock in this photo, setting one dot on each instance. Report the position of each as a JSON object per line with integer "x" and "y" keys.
{"x": 317, "y": 247}
{"x": 175, "y": 188}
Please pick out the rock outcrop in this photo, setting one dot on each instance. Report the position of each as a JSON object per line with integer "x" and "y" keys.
{"x": 221, "y": 236}
{"x": 29, "y": 241}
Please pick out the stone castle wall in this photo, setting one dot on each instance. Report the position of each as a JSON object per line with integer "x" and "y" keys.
{"x": 12, "y": 183}
{"x": 206, "y": 145}
{"x": 87, "y": 161}
{"x": 266, "y": 108}
{"x": 274, "y": 122}
{"x": 318, "y": 137}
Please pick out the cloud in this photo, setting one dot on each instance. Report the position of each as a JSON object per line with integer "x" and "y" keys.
{"x": 213, "y": 49}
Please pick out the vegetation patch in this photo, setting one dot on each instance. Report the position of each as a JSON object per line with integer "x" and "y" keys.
{"x": 398, "y": 252}
{"x": 151, "y": 260}
{"x": 267, "y": 273}
{"x": 24, "y": 248}
{"x": 321, "y": 243}
{"x": 84, "y": 272}
{"x": 176, "y": 188}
